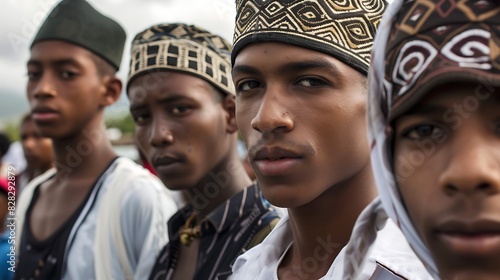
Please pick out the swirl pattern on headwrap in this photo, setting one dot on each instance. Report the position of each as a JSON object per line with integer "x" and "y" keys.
{"x": 422, "y": 44}
{"x": 434, "y": 41}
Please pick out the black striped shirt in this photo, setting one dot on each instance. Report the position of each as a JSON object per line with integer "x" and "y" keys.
{"x": 226, "y": 233}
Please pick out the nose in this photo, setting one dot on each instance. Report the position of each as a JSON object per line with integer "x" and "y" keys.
{"x": 160, "y": 135}
{"x": 473, "y": 166}
{"x": 44, "y": 87}
{"x": 272, "y": 115}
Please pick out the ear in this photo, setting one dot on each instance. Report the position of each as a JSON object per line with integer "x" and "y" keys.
{"x": 113, "y": 89}
{"x": 229, "y": 105}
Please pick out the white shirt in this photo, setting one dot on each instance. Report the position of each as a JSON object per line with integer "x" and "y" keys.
{"x": 143, "y": 209}
{"x": 390, "y": 249}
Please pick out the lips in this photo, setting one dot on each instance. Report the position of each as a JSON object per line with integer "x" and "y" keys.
{"x": 166, "y": 163}
{"x": 478, "y": 237}
{"x": 276, "y": 161}
{"x": 43, "y": 114}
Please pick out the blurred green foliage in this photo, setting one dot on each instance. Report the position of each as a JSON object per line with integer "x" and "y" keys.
{"x": 125, "y": 123}
{"x": 12, "y": 130}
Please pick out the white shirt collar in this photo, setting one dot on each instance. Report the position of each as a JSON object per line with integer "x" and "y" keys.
{"x": 390, "y": 249}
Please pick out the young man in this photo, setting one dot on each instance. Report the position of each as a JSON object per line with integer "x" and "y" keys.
{"x": 37, "y": 151}
{"x": 182, "y": 101}
{"x": 299, "y": 68}
{"x": 434, "y": 116}
{"x": 96, "y": 216}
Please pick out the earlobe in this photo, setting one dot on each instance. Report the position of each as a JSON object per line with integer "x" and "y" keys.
{"x": 230, "y": 108}
{"x": 113, "y": 87}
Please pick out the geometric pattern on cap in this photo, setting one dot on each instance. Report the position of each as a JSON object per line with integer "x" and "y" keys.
{"x": 184, "y": 48}
{"x": 344, "y": 29}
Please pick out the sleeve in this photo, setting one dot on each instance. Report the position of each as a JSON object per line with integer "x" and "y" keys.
{"x": 146, "y": 208}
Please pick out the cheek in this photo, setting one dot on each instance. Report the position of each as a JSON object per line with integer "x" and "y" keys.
{"x": 413, "y": 202}
{"x": 416, "y": 187}
{"x": 245, "y": 112}
{"x": 91, "y": 95}
{"x": 406, "y": 161}
{"x": 208, "y": 134}
{"x": 198, "y": 135}
{"x": 46, "y": 145}
{"x": 343, "y": 136}
{"x": 141, "y": 137}
{"x": 30, "y": 90}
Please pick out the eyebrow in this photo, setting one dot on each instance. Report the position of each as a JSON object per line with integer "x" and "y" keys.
{"x": 59, "y": 62}
{"x": 245, "y": 69}
{"x": 167, "y": 100}
{"x": 313, "y": 64}
{"x": 296, "y": 66}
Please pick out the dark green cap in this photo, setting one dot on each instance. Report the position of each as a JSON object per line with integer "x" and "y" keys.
{"x": 77, "y": 22}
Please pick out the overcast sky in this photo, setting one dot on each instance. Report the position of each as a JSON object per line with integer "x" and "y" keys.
{"x": 20, "y": 20}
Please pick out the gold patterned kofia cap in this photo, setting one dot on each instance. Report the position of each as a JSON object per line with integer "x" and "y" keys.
{"x": 184, "y": 48}
{"x": 344, "y": 29}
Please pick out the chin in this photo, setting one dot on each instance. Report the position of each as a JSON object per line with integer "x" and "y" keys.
{"x": 174, "y": 185}
{"x": 49, "y": 132}
{"x": 284, "y": 196}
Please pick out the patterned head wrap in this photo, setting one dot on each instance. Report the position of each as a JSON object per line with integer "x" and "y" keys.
{"x": 422, "y": 44}
{"x": 435, "y": 42}
{"x": 343, "y": 29}
{"x": 184, "y": 48}
{"x": 77, "y": 22}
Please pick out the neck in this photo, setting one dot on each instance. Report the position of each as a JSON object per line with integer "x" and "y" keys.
{"x": 323, "y": 227}
{"x": 221, "y": 183}
{"x": 35, "y": 172}
{"x": 83, "y": 155}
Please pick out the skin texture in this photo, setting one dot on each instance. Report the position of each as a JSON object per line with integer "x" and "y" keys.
{"x": 66, "y": 79}
{"x": 174, "y": 120}
{"x": 37, "y": 149}
{"x": 187, "y": 130}
{"x": 182, "y": 119}
{"x": 307, "y": 108}
{"x": 450, "y": 183}
{"x": 70, "y": 83}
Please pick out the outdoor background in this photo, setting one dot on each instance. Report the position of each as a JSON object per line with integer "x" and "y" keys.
{"x": 20, "y": 20}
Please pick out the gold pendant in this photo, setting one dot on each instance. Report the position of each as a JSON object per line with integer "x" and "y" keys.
{"x": 189, "y": 232}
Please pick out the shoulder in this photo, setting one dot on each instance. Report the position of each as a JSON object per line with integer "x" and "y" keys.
{"x": 133, "y": 176}
{"x": 392, "y": 254}
{"x": 27, "y": 193}
{"x": 137, "y": 187}
{"x": 260, "y": 261}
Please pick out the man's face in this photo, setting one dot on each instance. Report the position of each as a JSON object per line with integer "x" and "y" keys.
{"x": 302, "y": 116}
{"x": 447, "y": 163}
{"x": 37, "y": 149}
{"x": 64, "y": 89}
{"x": 181, "y": 126}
